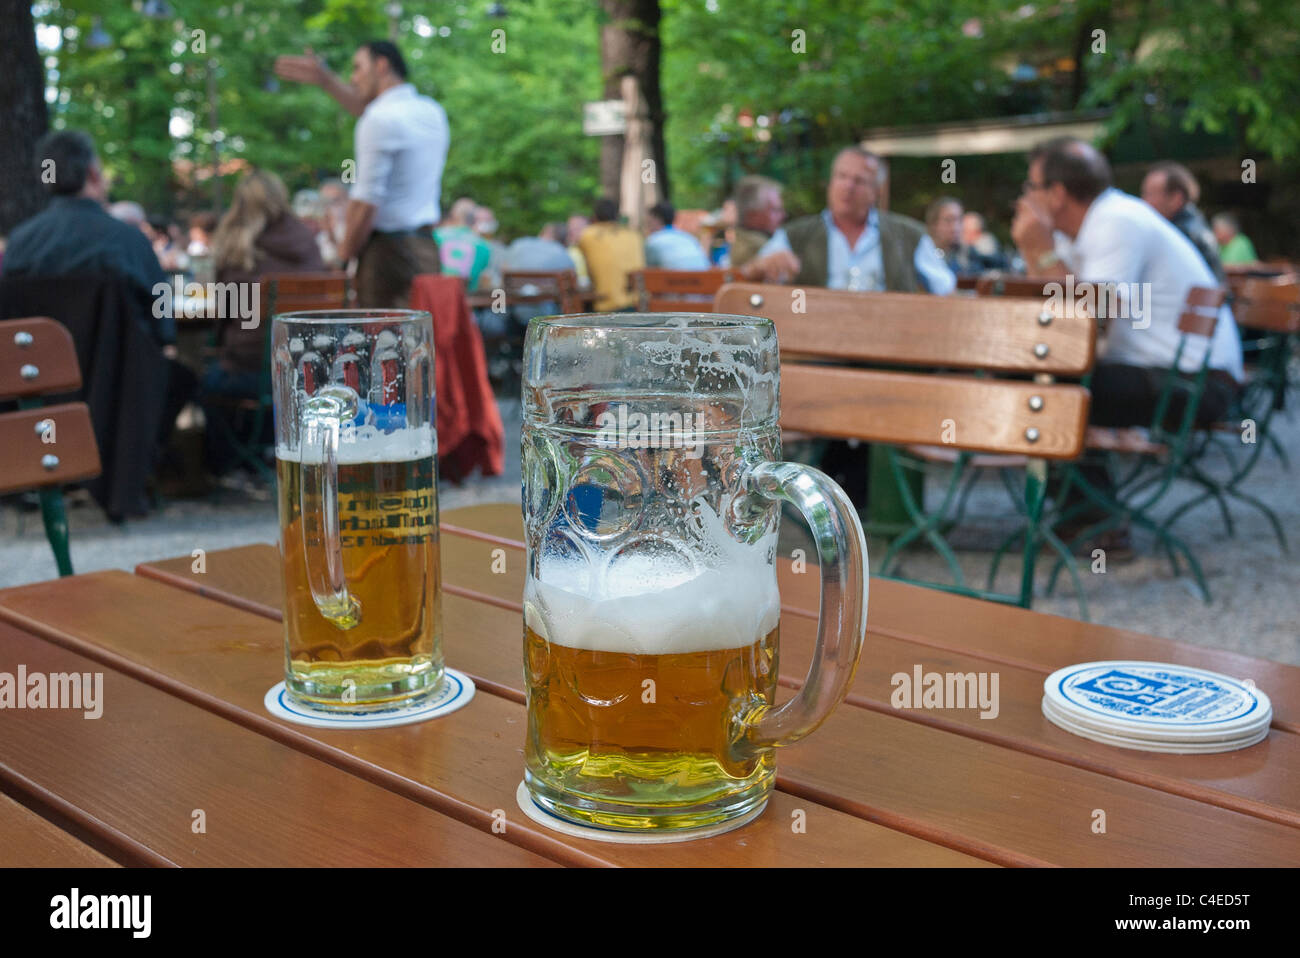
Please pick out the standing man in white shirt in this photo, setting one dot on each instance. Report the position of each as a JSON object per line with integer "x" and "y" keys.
{"x": 1071, "y": 221}
{"x": 401, "y": 142}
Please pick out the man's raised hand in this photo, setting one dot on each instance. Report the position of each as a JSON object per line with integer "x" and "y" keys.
{"x": 307, "y": 68}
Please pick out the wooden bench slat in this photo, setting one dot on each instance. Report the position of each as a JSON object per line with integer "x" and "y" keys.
{"x": 49, "y": 351}
{"x": 903, "y": 408}
{"x": 76, "y": 456}
{"x": 916, "y": 329}
{"x": 466, "y": 764}
{"x": 135, "y": 775}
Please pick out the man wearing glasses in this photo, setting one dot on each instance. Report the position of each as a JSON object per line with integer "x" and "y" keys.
{"x": 1071, "y": 221}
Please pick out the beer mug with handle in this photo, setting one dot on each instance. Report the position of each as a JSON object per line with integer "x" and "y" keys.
{"x": 355, "y": 452}
{"x": 652, "y": 492}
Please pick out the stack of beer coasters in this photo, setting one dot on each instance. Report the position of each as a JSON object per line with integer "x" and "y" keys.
{"x": 1156, "y": 707}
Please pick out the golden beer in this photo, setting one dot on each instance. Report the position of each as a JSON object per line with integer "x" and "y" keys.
{"x": 647, "y": 731}
{"x": 643, "y": 682}
{"x": 388, "y": 534}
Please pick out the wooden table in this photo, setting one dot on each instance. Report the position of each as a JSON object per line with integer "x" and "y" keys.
{"x": 184, "y": 740}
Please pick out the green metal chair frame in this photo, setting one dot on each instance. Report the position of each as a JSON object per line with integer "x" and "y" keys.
{"x": 1151, "y": 474}
{"x": 1263, "y": 397}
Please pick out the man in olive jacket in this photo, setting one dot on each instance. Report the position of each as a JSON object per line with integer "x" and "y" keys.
{"x": 851, "y": 244}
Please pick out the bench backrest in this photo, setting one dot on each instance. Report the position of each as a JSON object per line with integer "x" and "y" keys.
{"x": 542, "y": 286}
{"x": 823, "y": 331}
{"x": 678, "y": 290}
{"x": 291, "y": 292}
{"x": 37, "y": 358}
{"x": 915, "y": 329}
{"x": 1269, "y": 304}
{"x": 44, "y": 445}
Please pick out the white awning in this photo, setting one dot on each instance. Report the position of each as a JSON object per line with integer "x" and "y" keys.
{"x": 968, "y": 138}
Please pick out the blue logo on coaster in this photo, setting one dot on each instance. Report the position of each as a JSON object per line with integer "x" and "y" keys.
{"x": 1132, "y": 688}
{"x": 1158, "y": 694}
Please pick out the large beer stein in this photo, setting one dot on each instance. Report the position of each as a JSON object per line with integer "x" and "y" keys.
{"x": 652, "y": 488}
{"x": 355, "y": 454}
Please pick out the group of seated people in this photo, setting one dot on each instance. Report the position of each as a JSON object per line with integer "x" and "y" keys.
{"x": 1070, "y": 221}
{"x": 78, "y": 234}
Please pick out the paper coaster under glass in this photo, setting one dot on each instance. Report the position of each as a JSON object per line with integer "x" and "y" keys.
{"x": 594, "y": 833}
{"x": 1156, "y": 707}
{"x": 456, "y": 691}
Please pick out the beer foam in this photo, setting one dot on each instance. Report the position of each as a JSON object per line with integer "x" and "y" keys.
{"x": 370, "y": 444}
{"x": 638, "y": 603}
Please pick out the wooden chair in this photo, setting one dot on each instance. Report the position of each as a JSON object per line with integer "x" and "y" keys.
{"x": 822, "y": 331}
{"x": 528, "y": 293}
{"x": 677, "y": 290}
{"x": 291, "y": 292}
{"x": 542, "y": 286}
{"x": 45, "y": 447}
{"x": 1270, "y": 306}
{"x": 278, "y": 293}
{"x": 1158, "y": 454}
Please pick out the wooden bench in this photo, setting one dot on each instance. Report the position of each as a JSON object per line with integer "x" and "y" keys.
{"x": 676, "y": 290}
{"x": 823, "y": 331}
{"x": 45, "y": 447}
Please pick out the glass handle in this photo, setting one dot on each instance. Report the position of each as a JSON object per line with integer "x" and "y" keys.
{"x": 323, "y": 416}
{"x": 842, "y": 620}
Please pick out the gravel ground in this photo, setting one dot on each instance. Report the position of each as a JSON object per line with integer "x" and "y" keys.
{"x": 1255, "y": 586}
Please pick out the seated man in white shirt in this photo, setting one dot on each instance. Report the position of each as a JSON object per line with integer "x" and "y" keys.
{"x": 1105, "y": 236}
{"x": 401, "y": 142}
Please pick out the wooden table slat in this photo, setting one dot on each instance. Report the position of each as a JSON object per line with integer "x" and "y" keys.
{"x": 29, "y": 841}
{"x": 136, "y": 775}
{"x": 1262, "y": 781}
{"x": 918, "y": 779}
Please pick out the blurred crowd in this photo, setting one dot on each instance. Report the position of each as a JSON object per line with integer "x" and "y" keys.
{"x": 388, "y": 225}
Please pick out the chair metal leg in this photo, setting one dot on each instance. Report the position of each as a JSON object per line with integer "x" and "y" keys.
{"x": 1064, "y": 557}
{"x": 924, "y": 524}
{"x": 56, "y": 527}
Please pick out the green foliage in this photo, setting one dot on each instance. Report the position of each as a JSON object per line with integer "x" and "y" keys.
{"x": 515, "y": 115}
{"x": 1220, "y": 66}
{"x": 1223, "y": 66}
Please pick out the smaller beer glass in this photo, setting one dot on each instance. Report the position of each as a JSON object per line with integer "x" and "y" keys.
{"x": 652, "y": 496}
{"x": 355, "y": 452}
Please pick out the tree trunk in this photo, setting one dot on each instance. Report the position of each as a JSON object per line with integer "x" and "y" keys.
{"x": 629, "y": 46}
{"x": 23, "y": 118}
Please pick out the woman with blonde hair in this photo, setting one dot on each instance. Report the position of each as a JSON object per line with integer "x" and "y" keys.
{"x": 258, "y": 235}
